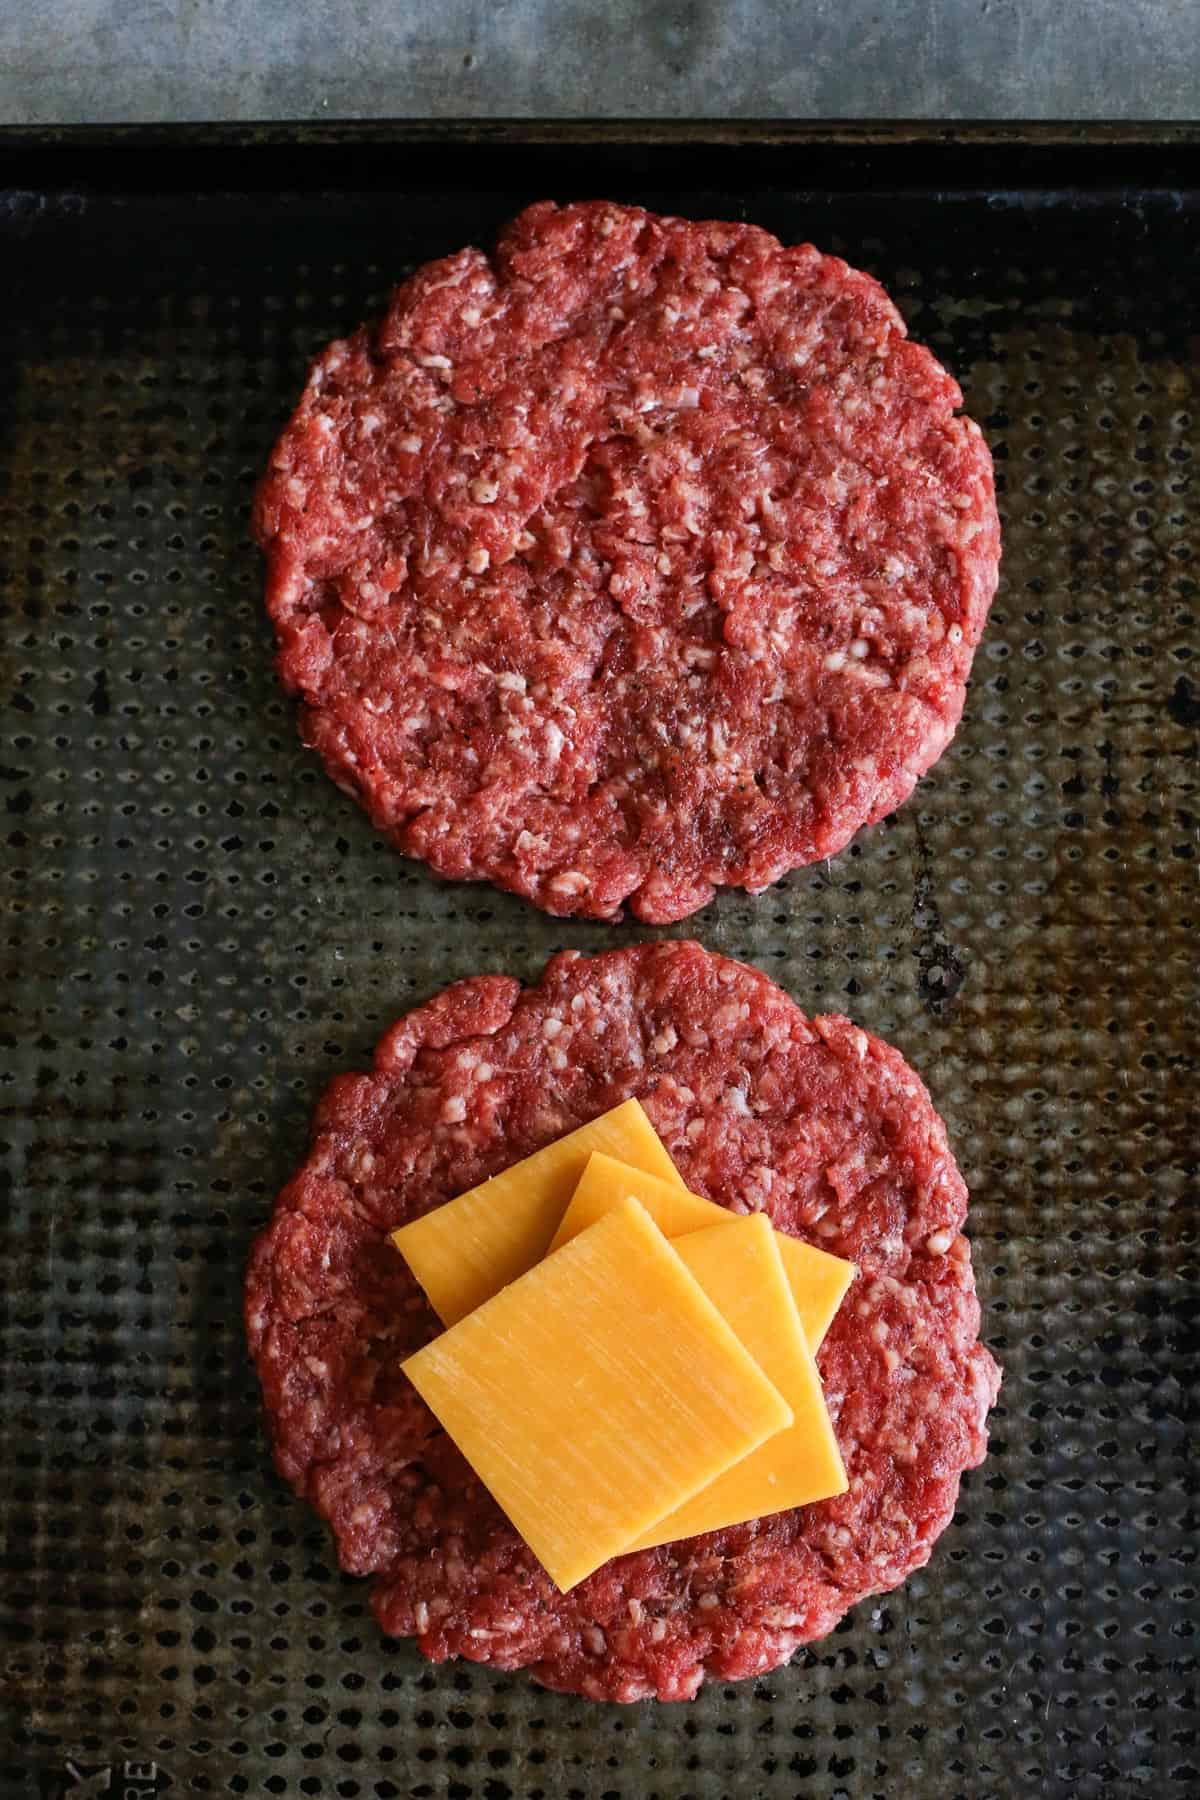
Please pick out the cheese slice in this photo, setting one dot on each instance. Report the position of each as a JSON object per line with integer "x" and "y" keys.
{"x": 597, "y": 1393}
{"x": 818, "y": 1281}
{"x": 740, "y": 1269}
{"x": 466, "y": 1251}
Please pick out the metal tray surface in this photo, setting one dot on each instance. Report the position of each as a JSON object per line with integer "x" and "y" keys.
{"x": 199, "y": 930}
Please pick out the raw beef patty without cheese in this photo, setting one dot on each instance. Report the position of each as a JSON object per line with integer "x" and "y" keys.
{"x": 639, "y": 559}
{"x": 815, "y": 1122}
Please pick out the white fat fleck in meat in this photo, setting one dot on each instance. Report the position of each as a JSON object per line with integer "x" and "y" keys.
{"x": 360, "y": 1163}
{"x": 410, "y": 445}
{"x": 570, "y": 882}
{"x": 783, "y": 1618}
{"x": 454, "y": 1110}
{"x": 482, "y": 491}
{"x": 554, "y": 740}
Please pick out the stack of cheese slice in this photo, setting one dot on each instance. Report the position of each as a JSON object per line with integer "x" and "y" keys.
{"x": 625, "y": 1363}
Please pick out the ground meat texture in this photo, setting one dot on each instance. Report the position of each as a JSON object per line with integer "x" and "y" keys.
{"x": 812, "y": 1120}
{"x": 641, "y": 558}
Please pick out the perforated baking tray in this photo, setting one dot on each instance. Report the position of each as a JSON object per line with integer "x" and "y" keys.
{"x": 198, "y": 930}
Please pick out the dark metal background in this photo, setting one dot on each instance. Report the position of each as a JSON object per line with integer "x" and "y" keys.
{"x": 198, "y": 930}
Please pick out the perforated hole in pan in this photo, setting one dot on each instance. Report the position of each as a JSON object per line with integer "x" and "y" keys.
{"x": 198, "y": 931}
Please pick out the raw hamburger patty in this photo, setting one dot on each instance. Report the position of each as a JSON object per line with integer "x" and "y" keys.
{"x": 642, "y": 558}
{"x": 821, "y": 1125}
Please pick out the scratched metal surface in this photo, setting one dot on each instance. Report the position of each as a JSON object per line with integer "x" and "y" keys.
{"x": 651, "y": 59}
{"x": 198, "y": 931}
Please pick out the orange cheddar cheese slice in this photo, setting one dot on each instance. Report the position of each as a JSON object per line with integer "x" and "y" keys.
{"x": 739, "y": 1267}
{"x": 597, "y": 1393}
{"x": 466, "y": 1251}
{"x": 818, "y": 1281}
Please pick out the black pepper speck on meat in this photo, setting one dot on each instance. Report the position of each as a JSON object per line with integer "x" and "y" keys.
{"x": 641, "y": 558}
{"x": 813, "y": 1121}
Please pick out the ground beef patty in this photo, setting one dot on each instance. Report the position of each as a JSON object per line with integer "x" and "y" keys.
{"x": 816, "y": 1122}
{"x": 642, "y": 558}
